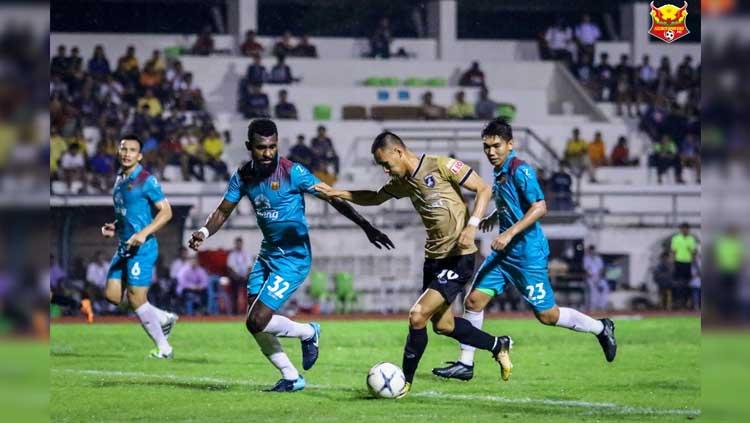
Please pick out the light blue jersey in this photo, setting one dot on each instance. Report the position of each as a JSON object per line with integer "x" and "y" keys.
{"x": 524, "y": 260}
{"x": 278, "y": 200}
{"x": 134, "y": 197}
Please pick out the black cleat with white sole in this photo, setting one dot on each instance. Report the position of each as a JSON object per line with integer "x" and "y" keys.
{"x": 607, "y": 340}
{"x": 455, "y": 370}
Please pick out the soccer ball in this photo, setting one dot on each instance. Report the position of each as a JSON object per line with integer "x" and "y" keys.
{"x": 385, "y": 380}
{"x": 669, "y": 35}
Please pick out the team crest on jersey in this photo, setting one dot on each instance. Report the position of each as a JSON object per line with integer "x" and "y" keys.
{"x": 429, "y": 180}
{"x": 262, "y": 202}
{"x": 275, "y": 185}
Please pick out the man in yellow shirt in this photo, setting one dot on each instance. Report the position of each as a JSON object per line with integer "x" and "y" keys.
{"x": 460, "y": 109}
{"x": 597, "y": 155}
{"x": 576, "y": 154}
{"x": 213, "y": 147}
{"x": 154, "y": 105}
{"x": 684, "y": 247}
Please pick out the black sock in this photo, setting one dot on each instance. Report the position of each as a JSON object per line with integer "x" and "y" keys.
{"x": 416, "y": 343}
{"x": 467, "y": 334}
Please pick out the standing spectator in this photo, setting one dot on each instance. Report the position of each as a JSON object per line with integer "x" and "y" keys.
{"x": 685, "y": 74}
{"x": 606, "y": 78}
{"x": 60, "y": 63}
{"x": 624, "y": 86}
{"x": 284, "y": 109}
{"x": 301, "y": 153}
{"x": 597, "y": 155}
{"x": 192, "y": 286}
{"x": 238, "y": 266}
{"x": 662, "y": 274}
{"x": 484, "y": 107}
{"x": 576, "y": 155}
{"x": 621, "y": 154}
{"x": 460, "y": 109}
{"x": 254, "y": 103}
{"x": 96, "y": 280}
{"x": 690, "y": 155}
{"x": 73, "y": 165}
{"x": 251, "y": 47}
{"x": 597, "y": 284}
{"x": 304, "y": 48}
{"x": 587, "y": 33}
{"x": 559, "y": 39}
{"x": 213, "y": 148}
{"x": 98, "y": 65}
{"x": 684, "y": 247}
{"x": 204, "y": 44}
{"x": 646, "y": 78}
{"x": 280, "y": 72}
{"x": 327, "y": 161}
{"x": 256, "y": 72}
{"x": 284, "y": 46}
{"x": 474, "y": 77}
{"x": 429, "y": 111}
{"x": 665, "y": 156}
{"x": 76, "y": 60}
{"x": 380, "y": 41}
{"x": 728, "y": 257}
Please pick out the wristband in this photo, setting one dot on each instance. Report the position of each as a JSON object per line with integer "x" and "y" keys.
{"x": 474, "y": 221}
{"x": 204, "y": 231}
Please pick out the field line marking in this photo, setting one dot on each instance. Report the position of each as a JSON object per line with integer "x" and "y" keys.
{"x": 611, "y": 407}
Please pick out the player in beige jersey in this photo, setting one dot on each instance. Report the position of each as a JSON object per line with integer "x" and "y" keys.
{"x": 433, "y": 184}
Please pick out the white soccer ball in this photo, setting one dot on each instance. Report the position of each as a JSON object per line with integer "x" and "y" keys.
{"x": 385, "y": 380}
{"x": 669, "y": 35}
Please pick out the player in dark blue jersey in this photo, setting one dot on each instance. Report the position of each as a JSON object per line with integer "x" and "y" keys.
{"x": 276, "y": 188}
{"x": 520, "y": 253}
{"x": 135, "y": 194}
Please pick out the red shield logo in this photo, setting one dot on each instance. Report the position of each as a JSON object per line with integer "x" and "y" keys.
{"x": 668, "y": 22}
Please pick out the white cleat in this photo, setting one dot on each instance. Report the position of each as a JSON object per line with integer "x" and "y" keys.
{"x": 169, "y": 324}
{"x": 155, "y": 353}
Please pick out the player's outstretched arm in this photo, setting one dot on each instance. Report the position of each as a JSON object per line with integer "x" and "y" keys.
{"x": 377, "y": 238}
{"x": 362, "y": 198}
{"x": 163, "y": 216}
{"x": 214, "y": 222}
{"x": 537, "y": 210}
{"x": 484, "y": 193}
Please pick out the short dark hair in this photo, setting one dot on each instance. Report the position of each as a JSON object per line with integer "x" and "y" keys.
{"x": 133, "y": 137}
{"x": 262, "y": 127}
{"x": 385, "y": 139}
{"x": 498, "y": 127}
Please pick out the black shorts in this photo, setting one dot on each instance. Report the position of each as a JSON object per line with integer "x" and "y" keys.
{"x": 448, "y": 276}
{"x": 683, "y": 272}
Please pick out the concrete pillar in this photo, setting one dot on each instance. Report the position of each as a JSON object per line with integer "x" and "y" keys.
{"x": 242, "y": 15}
{"x": 448, "y": 16}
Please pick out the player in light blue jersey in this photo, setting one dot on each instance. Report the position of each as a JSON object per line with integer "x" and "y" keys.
{"x": 135, "y": 194}
{"x": 520, "y": 253}
{"x": 276, "y": 188}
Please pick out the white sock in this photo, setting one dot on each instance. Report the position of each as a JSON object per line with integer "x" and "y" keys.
{"x": 476, "y": 318}
{"x": 271, "y": 348}
{"x": 161, "y": 313}
{"x": 579, "y": 322}
{"x": 287, "y": 328}
{"x": 149, "y": 317}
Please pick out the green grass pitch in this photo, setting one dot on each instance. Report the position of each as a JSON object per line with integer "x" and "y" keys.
{"x": 99, "y": 373}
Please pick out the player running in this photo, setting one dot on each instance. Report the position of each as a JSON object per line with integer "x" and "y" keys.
{"x": 433, "y": 185}
{"x": 520, "y": 253}
{"x": 135, "y": 193}
{"x": 275, "y": 186}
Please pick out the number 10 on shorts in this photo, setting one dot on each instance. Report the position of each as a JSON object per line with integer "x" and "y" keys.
{"x": 540, "y": 292}
{"x": 278, "y": 287}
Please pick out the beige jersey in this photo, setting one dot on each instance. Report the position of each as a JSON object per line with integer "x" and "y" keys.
{"x": 434, "y": 190}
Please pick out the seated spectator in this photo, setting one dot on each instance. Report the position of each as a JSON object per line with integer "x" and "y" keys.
{"x": 460, "y": 109}
{"x": 280, "y": 72}
{"x": 587, "y": 33}
{"x": 690, "y": 155}
{"x": 151, "y": 78}
{"x": 156, "y": 61}
{"x": 176, "y": 76}
{"x": 204, "y": 44}
{"x": 102, "y": 167}
{"x": 559, "y": 39}
{"x": 213, "y": 147}
{"x": 586, "y": 75}
{"x": 645, "y": 83}
{"x": 576, "y": 155}
{"x": 75, "y": 59}
{"x": 73, "y": 165}
{"x": 127, "y": 65}
{"x": 192, "y": 286}
{"x": 664, "y": 85}
{"x": 60, "y": 63}
{"x": 430, "y": 111}
{"x": 192, "y": 159}
{"x": 597, "y": 155}
{"x": 284, "y": 109}
{"x": 256, "y": 72}
{"x": 474, "y": 77}
{"x": 560, "y": 185}
{"x": 484, "y": 107}
{"x": 153, "y": 103}
{"x": 685, "y": 74}
{"x": 191, "y": 95}
{"x": 58, "y": 146}
{"x": 665, "y": 156}
{"x": 183, "y": 256}
{"x": 98, "y": 65}
{"x": 251, "y": 47}
{"x": 606, "y": 79}
{"x": 380, "y": 41}
{"x": 301, "y": 153}
{"x": 284, "y": 46}
{"x": 304, "y": 48}
{"x": 621, "y": 154}
{"x": 96, "y": 281}
{"x": 624, "y": 88}
{"x": 254, "y": 103}
{"x": 326, "y": 164}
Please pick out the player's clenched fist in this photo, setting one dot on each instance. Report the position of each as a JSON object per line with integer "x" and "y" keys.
{"x": 501, "y": 241}
{"x": 108, "y": 230}
{"x": 196, "y": 240}
{"x": 466, "y": 239}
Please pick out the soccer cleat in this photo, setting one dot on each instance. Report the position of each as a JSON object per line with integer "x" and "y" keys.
{"x": 405, "y": 390}
{"x": 310, "y": 348}
{"x": 167, "y": 327}
{"x": 285, "y": 385}
{"x": 505, "y": 343}
{"x": 455, "y": 370}
{"x": 607, "y": 340}
{"x": 155, "y": 353}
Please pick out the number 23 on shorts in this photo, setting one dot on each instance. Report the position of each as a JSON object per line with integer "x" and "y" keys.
{"x": 540, "y": 292}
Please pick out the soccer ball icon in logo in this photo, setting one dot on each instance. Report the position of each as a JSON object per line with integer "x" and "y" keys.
{"x": 669, "y": 35}
{"x": 385, "y": 380}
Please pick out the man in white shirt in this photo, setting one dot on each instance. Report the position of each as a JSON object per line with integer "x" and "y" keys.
{"x": 598, "y": 286}
{"x": 73, "y": 165}
{"x": 96, "y": 280}
{"x": 192, "y": 286}
{"x": 559, "y": 39}
{"x": 587, "y": 34}
{"x": 238, "y": 266}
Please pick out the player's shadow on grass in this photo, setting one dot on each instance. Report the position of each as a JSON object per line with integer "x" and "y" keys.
{"x": 193, "y": 386}
{"x": 82, "y": 355}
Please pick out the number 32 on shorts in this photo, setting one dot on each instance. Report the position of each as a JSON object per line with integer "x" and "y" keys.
{"x": 278, "y": 287}
{"x": 540, "y": 292}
